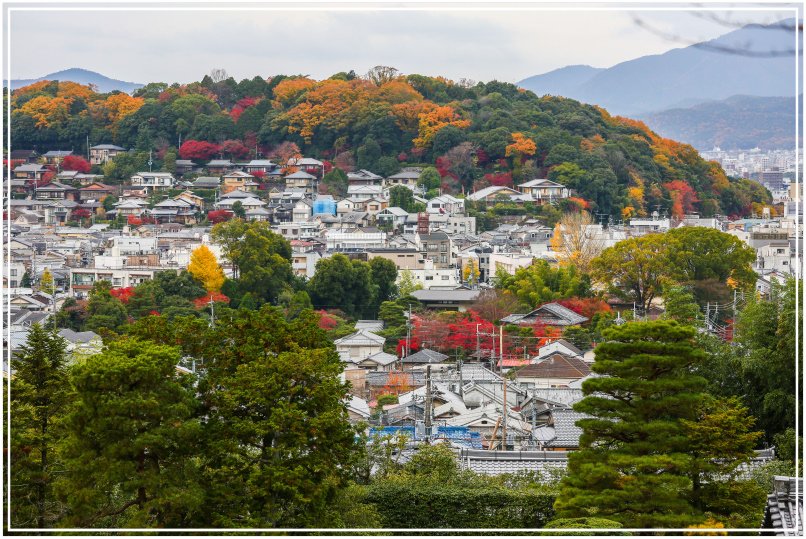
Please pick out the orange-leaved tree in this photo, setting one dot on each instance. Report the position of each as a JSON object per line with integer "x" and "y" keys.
{"x": 204, "y": 267}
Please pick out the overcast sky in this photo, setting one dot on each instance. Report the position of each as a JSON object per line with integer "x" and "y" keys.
{"x": 183, "y": 46}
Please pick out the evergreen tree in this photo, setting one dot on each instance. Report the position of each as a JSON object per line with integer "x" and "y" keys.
{"x": 103, "y": 310}
{"x": 131, "y": 434}
{"x": 680, "y": 305}
{"x": 39, "y": 394}
{"x": 279, "y": 439}
{"x": 634, "y": 451}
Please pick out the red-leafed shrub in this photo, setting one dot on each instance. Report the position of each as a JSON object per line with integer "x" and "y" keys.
{"x": 218, "y": 216}
{"x": 123, "y": 294}
{"x": 134, "y": 220}
{"x": 76, "y": 162}
{"x": 259, "y": 174}
{"x": 501, "y": 178}
{"x": 586, "y": 306}
{"x": 203, "y": 301}
{"x": 198, "y": 149}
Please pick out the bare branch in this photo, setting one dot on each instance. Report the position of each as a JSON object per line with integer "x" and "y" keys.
{"x": 743, "y": 49}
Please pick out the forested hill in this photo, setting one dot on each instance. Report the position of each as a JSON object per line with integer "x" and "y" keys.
{"x": 474, "y": 134}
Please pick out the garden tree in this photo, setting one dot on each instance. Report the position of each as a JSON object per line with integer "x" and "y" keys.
{"x": 75, "y": 162}
{"x": 109, "y": 202}
{"x": 295, "y": 302}
{"x": 71, "y": 315}
{"x": 634, "y": 269}
{"x": 131, "y": 434}
{"x": 46, "y": 282}
{"x": 38, "y": 396}
{"x": 336, "y": 182}
{"x": 262, "y": 259}
{"x": 340, "y": 283}
{"x": 494, "y": 304}
{"x": 204, "y": 267}
{"x": 458, "y": 162}
{"x": 103, "y": 310}
{"x": 579, "y": 337}
{"x": 634, "y": 449}
{"x": 384, "y": 275}
{"x": 679, "y": 304}
{"x": 198, "y": 150}
{"x": 765, "y": 334}
{"x": 402, "y": 197}
{"x": 169, "y": 161}
{"x": 124, "y": 165}
{"x": 407, "y": 283}
{"x": 276, "y": 424}
{"x": 429, "y": 179}
{"x": 721, "y": 439}
{"x": 698, "y": 255}
{"x": 387, "y": 166}
{"x": 574, "y": 242}
{"x": 470, "y": 272}
{"x": 539, "y": 283}
{"x": 238, "y": 210}
{"x": 25, "y": 282}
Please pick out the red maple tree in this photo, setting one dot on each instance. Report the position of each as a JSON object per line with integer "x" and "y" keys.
{"x": 76, "y": 162}
{"x": 198, "y": 149}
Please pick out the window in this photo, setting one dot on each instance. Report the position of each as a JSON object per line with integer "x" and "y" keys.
{"x": 429, "y": 278}
{"x": 12, "y": 272}
{"x": 445, "y": 277}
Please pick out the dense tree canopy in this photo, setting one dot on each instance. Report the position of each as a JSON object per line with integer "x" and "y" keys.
{"x": 616, "y": 164}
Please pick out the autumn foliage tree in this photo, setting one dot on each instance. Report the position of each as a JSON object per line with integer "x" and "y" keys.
{"x": 204, "y": 267}
{"x": 77, "y": 163}
{"x": 198, "y": 149}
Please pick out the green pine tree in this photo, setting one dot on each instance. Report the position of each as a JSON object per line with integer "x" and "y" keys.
{"x": 634, "y": 459}
{"x": 39, "y": 393}
{"x": 130, "y": 440}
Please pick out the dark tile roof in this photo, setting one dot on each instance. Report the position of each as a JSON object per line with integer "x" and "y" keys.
{"x": 556, "y": 365}
{"x": 784, "y": 512}
{"x": 425, "y": 356}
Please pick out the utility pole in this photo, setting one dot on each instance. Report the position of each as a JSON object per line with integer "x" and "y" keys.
{"x": 428, "y": 404}
{"x": 733, "y": 322}
{"x": 504, "y": 423}
{"x": 478, "y": 344}
{"x": 212, "y": 311}
{"x": 408, "y": 339}
{"x": 501, "y": 350}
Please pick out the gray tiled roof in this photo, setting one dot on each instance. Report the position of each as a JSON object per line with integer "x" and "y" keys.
{"x": 425, "y": 356}
{"x": 784, "y": 512}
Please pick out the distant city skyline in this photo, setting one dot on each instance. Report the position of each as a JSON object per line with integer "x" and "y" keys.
{"x": 459, "y": 42}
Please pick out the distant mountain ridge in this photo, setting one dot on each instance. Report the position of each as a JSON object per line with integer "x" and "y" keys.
{"x": 739, "y": 122}
{"x": 81, "y": 76}
{"x": 690, "y": 74}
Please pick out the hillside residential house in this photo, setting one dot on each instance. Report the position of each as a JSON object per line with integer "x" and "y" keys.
{"x": 153, "y": 181}
{"x": 55, "y": 157}
{"x": 406, "y": 177}
{"x": 300, "y": 180}
{"x": 30, "y": 171}
{"x": 363, "y": 177}
{"x": 494, "y": 193}
{"x": 543, "y": 190}
{"x": 219, "y": 166}
{"x": 102, "y": 153}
